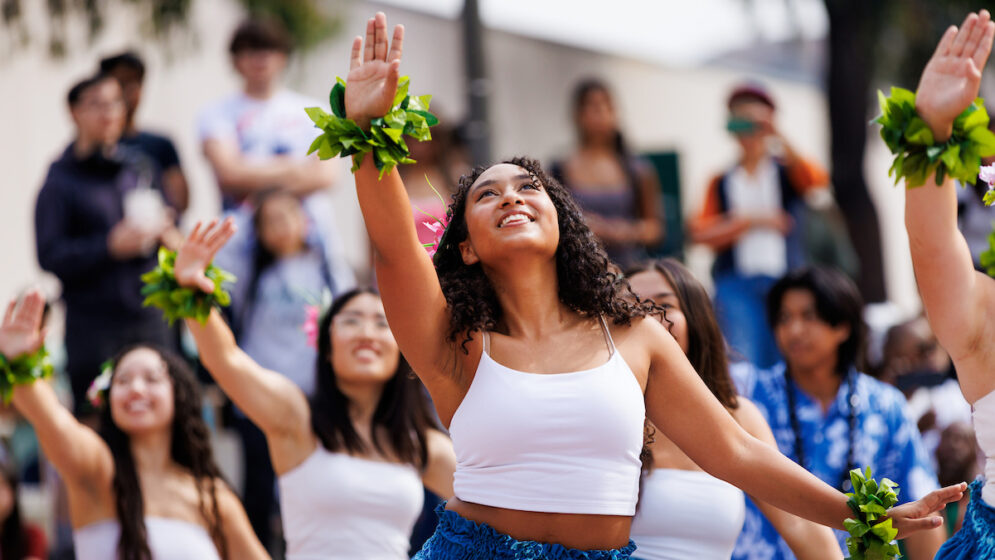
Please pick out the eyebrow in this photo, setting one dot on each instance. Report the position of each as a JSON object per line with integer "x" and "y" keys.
{"x": 492, "y": 181}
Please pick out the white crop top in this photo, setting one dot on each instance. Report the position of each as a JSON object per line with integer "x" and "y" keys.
{"x": 557, "y": 443}
{"x": 169, "y": 539}
{"x": 687, "y": 514}
{"x": 984, "y": 430}
{"x": 336, "y": 506}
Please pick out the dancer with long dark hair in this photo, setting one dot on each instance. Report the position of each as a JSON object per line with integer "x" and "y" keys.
{"x": 683, "y": 511}
{"x": 958, "y": 299}
{"x": 352, "y": 459}
{"x": 147, "y": 485}
{"x": 542, "y": 367}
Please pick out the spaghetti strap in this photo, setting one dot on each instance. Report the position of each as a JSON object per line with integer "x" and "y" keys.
{"x": 487, "y": 342}
{"x": 608, "y": 336}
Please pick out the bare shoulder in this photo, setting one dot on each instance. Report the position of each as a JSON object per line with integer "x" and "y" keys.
{"x": 228, "y": 502}
{"x": 643, "y": 343}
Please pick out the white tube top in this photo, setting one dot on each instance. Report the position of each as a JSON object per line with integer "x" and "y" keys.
{"x": 336, "y": 506}
{"x": 687, "y": 515}
{"x": 169, "y": 539}
{"x": 984, "y": 430}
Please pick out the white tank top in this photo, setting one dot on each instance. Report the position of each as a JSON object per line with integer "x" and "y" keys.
{"x": 557, "y": 443}
{"x": 169, "y": 539}
{"x": 984, "y": 430}
{"x": 335, "y": 506}
{"x": 687, "y": 514}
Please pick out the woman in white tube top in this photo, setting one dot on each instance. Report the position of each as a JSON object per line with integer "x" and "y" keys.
{"x": 685, "y": 512}
{"x": 959, "y": 301}
{"x": 147, "y": 486}
{"x": 351, "y": 461}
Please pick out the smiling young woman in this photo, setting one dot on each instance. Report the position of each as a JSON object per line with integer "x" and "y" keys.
{"x": 541, "y": 365}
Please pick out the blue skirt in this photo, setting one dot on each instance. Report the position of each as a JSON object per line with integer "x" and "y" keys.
{"x": 458, "y": 538}
{"x": 976, "y": 538}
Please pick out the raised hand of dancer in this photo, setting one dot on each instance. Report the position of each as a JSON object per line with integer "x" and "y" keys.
{"x": 198, "y": 251}
{"x": 952, "y": 77}
{"x": 21, "y": 331}
{"x": 373, "y": 72}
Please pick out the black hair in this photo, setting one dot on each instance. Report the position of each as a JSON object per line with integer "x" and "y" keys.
{"x": 260, "y": 34}
{"x": 84, "y": 85}
{"x": 587, "y": 282}
{"x": 190, "y": 449}
{"x": 127, "y": 59}
{"x": 837, "y": 301}
{"x": 402, "y": 411}
{"x": 12, "y": 541}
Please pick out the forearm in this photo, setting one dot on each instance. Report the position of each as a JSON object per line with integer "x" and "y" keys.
{"x": 176, "y": 189}
{"x": 63, "y": 439}
{"x": 765, "y": 473}
{"x": 387, "y": 213}
{"x": 807, "y": 540}
{"x": 721, "y": 234}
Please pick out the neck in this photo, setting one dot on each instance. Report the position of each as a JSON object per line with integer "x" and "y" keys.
{"x": 84, "y": 147}
{"x": 363, "y": 401}
{"x": 598, "y": 144}
{"x": 260, "y": 90}
{"x": 821, "y": 381}
{"x": 530, "y": 300}
{"x": 152, "y": 451}
{"x": 750, "y": 162}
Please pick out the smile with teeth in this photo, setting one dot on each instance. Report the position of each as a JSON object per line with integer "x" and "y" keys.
{"x": 516, "y": 219}
{"x": 137, "y": 406}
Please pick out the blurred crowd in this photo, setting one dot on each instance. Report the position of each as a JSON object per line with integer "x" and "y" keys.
{"x": 783, "y": 293}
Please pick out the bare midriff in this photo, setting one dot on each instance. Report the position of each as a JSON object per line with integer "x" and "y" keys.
{"x": 572, "y": 530}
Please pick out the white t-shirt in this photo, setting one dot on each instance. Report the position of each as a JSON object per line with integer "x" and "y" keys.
{"x": 278, "y": 126}
{"x": 761, "y": 251}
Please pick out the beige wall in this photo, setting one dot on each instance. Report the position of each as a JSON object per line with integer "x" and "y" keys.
{"x": 531, "y": 80}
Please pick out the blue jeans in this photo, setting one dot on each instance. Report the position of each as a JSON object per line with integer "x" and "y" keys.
{"x": 741, "y": 307}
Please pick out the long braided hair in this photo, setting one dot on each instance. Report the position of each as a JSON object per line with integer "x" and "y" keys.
{"x": 190, "y": 448}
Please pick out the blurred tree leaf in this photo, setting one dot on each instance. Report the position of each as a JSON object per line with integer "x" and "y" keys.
{"x": 308, "y": 21}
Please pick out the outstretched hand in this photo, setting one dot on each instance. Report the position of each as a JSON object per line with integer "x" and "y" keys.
{"x": 21, "y": 331}
{"x": 951, "y": 79}
{"x": 373, "y": 72}
{"x": 922, "y": 514}
{"x": 198, "y": 251}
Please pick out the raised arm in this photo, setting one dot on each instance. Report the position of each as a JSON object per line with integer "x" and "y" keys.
{"x": 412, "y": 296}
{"x": 807, "y": 540}
{"x": 270, "y": 400}
{"x": 679, "y": 404}
{"x": 957, "y": 299}
{"x": 77, "y": 452}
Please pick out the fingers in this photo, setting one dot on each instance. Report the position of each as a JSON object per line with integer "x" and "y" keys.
{"x": 946, "y": 42}
{"x": 393, "y": 75}
{"x": 370, "y": 37}
{"x": 380, "y": 43}
{"x": 977, "y": 33}
{"x": 33, "y": 308}
{"x": 205, "y": 285}
{"x": 984, "y": 46}
{"x": 194, "y": 233}
{"x": 8, "y": 316}
{"x": 396, "y": 44}
{"x": 222, "y": 236}
{"x": 957, "y": 49}
{"x": 356, "y": 58}
{"x": 922, "y": 524}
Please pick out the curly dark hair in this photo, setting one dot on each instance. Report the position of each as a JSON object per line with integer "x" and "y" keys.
{"x": 191, "y": 449}
{"x": 589, "y": 283}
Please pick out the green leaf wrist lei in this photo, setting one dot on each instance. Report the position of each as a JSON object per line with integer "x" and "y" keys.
{"x": 176, "y": 302}
{"x": 918, "y": 155}
{"x": 870, "y": 538}
{"x": 341, "y": 136}
{"x": 23, "y": 370}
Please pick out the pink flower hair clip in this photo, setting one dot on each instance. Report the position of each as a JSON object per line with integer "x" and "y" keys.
{"x": 987, "y": 174}
{"x": 438, "y": 226}
{"x": 312, "y": 318}
{"x": 97, "y": 391}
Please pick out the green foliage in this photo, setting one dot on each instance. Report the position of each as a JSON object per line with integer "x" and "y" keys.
{"x": 918, "y": 156}
{"x": 306, "y": 21}
{"x": 870, "y": 537}
{"x": 341, "y": 136}
{"x": 988, "y": 255}
{"x": 22, "y": 371}
{"x": 176, "y": 302}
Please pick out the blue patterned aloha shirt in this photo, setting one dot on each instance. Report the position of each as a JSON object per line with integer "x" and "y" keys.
{"x": 887, "y": 440}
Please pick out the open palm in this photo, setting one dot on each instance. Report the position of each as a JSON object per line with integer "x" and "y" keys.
{"x": 373, "y": 71}
{"x": 198, "y": 251}
{"x": 951, "y": 79}
{"x": 21, "y": 333}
